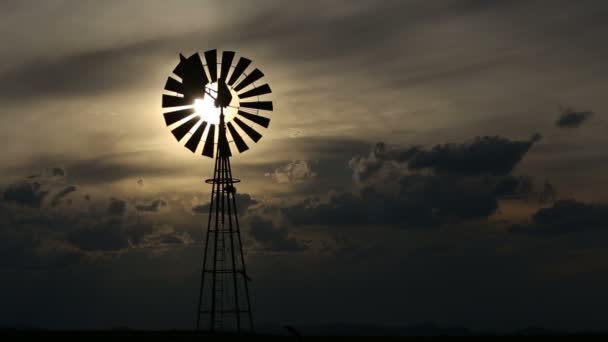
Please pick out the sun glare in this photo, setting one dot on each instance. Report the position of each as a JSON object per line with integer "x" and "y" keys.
{"x": 206, "y": 109}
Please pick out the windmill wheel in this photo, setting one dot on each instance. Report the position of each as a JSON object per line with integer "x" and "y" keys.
{"x": 198, "y": 100}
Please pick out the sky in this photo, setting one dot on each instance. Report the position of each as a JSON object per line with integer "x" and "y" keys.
{"x": 427, "y": 161}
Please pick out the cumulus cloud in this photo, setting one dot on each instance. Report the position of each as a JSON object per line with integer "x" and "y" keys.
{"x": 484, "y": 155}
{"x": 565, "y": 216}
{"x": 572, "y": 119}
{"x": 297, "y": 171}
{"x": 414, "y": 187}
{"x": 273, "y": 238}
{"x": 378, "y": 160}
{"x": 34, "y": 238}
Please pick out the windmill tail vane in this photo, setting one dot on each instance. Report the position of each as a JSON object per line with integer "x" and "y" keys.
{"x": 228, "y": 115}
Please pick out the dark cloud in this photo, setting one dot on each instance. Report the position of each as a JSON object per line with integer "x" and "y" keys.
{"x": 117, "y": 207}
{"x": 61, "y": 194}
{"x": 566, "y": 216}
{"x": 243, "y": 202}
{"x": 572, "y": 119}
{"x": 418, "y": 201}
{"x": 448, "y": 184}
{"x": 153, "y": 206}
{"x": 484, "y": 155}
{"x": 273, "y": 238}
{"x": 25, "y": 193}
{"x": 487, "y": 155}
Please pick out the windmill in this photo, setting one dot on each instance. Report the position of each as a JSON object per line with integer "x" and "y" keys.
{"x": 210, "y": 112}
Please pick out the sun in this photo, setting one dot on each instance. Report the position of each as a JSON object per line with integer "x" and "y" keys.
{"x": 206, "y": 109}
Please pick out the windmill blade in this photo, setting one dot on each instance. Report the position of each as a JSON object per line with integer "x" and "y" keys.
{"x": 265, "y": 105}
{"x": 252, "y": 133}
{"x": 257, "y": 91}
{"x": 182, "y": 130}
{"x": 173, "y": 117}
{"x": 238, "y": 141}
{"x": 211, "y": 58}
{"x": 239, "y": 69}
{"x": 174, "y": 85}
{"x": 174, "y": 101}
{"x": 227, "y": 57}
{"x": 258, "y": 119}
{"x": 195, "y": 139}
{"x": 209, "y": 142}
{"x": 255, "y": 75}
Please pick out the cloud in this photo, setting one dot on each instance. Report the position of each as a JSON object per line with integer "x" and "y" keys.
{"x": 119, "y": 166}
{"x": 89, "y": 72}
{"x": 25, "y": 193}
{"x": 297, "y": 171}
{"x": 243, "y": 202}
{"x": 63, "y": 193}
{"x": 572, "y": 119}
{"x": 447, "y": 184}
{"x": 484, "y": 155}
{"x": 273, "y": 238}
{"x": 117, "y": 235}
{"x": 418, "y": 201}
{"x": 153, "y": 206}
{"x": 117, "y": 207}
{"x": 565, "y": 216}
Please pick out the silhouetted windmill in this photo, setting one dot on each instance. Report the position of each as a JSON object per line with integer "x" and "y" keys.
{"x": 206, "y": 107}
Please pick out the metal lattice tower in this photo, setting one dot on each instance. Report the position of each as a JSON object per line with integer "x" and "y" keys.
{"x": 224, "y": 303}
